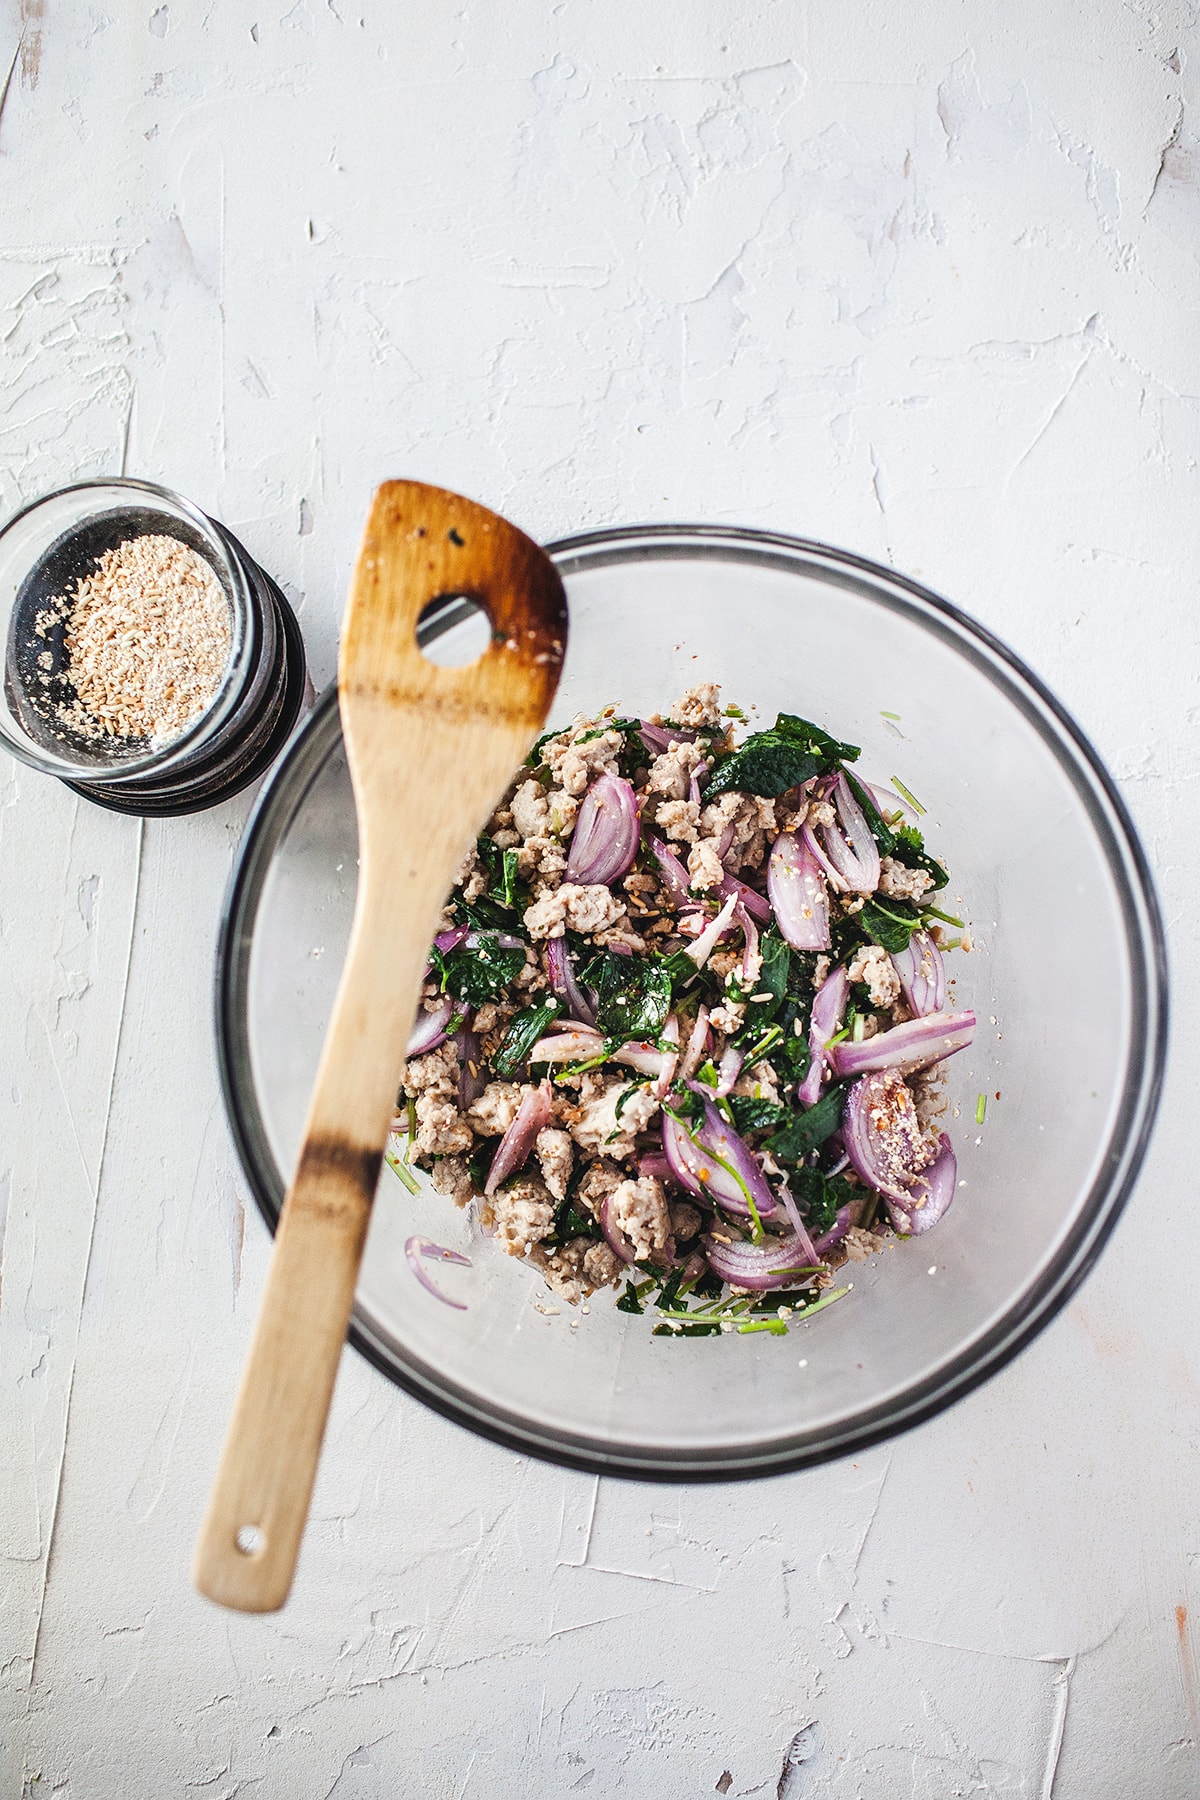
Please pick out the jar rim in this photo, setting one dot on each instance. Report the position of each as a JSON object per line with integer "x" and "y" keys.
{"x": 221, "y": 552}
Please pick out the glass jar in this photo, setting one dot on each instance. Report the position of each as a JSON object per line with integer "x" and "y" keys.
{"x": 45, "y": 549}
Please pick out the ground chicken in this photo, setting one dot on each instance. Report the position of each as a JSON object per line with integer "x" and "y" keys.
{"x": 679, "y": 819}
{"x": 541, "y": 856}
{"x": 874, "y": 966}
{"x": 578, "y": 1268}
{"x": 452, "y": 1178}
{"x": 434, "y": 1073}
{"x": 901, "y": 883}
{"x": 441, "y": 1128}
{"x": 671, "y": 773}
{"x": 704, "y": 864}
{"x": 821, "y": 972}
{"x": 741, "y": 822}
{"x": 599, "y": 1180}
{"x": 857, "y": 1244}
{"x": 699, "y": 707}
{"x": 597, "y": 1127}
{"x": 729, "y": 1017}
{"x": 530, "y": 813}
{"x": 576, "y": 765}
{"x": 521, "y": 1215}
{"x": 638, "y": 1209}
{"x": 584, "y": 909}
{"x": 555, "y": 1155}
{"x": 496, "y": 1108}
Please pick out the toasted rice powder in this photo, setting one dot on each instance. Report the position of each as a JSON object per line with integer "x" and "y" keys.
{"x": 147, "y": 638}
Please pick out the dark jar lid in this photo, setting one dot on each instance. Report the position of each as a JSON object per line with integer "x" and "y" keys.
{"x": 45, "y": 550}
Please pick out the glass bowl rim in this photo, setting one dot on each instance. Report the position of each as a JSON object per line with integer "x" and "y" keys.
{"x": 220, "y": 707}
{"x": 1036, "y": 1304}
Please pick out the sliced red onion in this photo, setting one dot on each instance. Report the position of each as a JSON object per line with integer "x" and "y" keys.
{"x": 725, "y": 842}
{"x": 754, "y": 902}
{"x": 775, "y": 1264}
{"x": 470, "y": 1050}
{"x": 922, "y": 975}
{"x": 849, "y": 844}
{"x": 418, "y": 1248}
{"x": 796, "y": 886}
{"x": 750, "y": 934}
{"x": 913, "y": 1045}
{"x": 430, "y": 1028}
{"x": 607, "y": 831}
{"x": 658, "y": 738}
{"x": 563, "y": 982}
{"x": 504, "y": 939}
{"x": 675, "y": 877}
{"x": 712, "y": 934}
{"x": 577, "y": 1044}
{"x": 700, "y": 769}
{"x": 827, "y": 1011}
{"x": 694, "y": 1163}
{"x": 728, "y": 1069}
{"x": 643, "y": 1058}
{"x": 883, "y": 1135}
{"x": 813, "y": 844}
{"x": 670, "y": 1057}
{"x": 653, "y": 1163}
{"x": 799, "y": 1229}
{"x": 929, "y": 1198}
{"x": 445, "y": 941}
{"x": 617, "y": 1242}
{"x": 516, "y": 1144}
{"x": 697, "y": 1044}
{"x": 829, "y": 1240}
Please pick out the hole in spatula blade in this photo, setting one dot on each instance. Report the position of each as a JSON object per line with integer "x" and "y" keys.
{"x": 454, "y": 630}
{"x": 249, "y": 1539}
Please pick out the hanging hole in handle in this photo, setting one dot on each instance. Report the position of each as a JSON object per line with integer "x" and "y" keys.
{"x": 453, "y": 630}
{"x": 249, "y": 1539}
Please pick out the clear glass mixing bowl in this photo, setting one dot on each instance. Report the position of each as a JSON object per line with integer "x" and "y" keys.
{"x": 1068, "y": 980}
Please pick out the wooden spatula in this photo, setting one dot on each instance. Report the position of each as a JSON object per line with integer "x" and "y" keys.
{"x": 430, "y": 752}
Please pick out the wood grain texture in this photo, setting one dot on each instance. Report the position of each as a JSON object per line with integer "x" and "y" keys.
{"x": 430, "y": 751}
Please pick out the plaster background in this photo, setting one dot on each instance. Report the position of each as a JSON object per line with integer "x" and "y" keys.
{"x": 918, "y": 280}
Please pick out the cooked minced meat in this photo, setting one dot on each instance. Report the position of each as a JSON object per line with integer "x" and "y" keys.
{"x": 621, "y": 1005}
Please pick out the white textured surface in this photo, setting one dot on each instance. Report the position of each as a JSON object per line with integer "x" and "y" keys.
{"x": 920, "y": 279}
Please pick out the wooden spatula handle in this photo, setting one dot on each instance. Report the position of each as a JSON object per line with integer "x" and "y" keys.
{"x": 430, "y": 751}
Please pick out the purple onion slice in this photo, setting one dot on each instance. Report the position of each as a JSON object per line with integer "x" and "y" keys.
{"x": 750, "y": 938}
{"x": 672, "y": 873}
{"x": 563, "y": 982}
{"x": 430, "y": 1028}
{"x": 416, "y": 1249}
{"x": 728, "y": 1070}
{"x": 607, "y": 832}
{"x": 615, "y": 1238}
{"x": 670, "y": 1057}
{"x": 658, "y": 738}
{"x": 799, "y": 1228}
{"x": 578, "y": 1043}
{"x": 883, "y": 1135}
{"x": 697, "y": 1044}
{"x": 775, "y": 1264}
{"x": 929, "y": 1198}
{"x": 827, "y": 1011}
{"x": 913, "y": 1045}
{"x": 445, "y": 941}
{"x": 754, "y": 902}
{"x": 922, "y": 973}
{"x": 517, "y": 1143}
{"x": 848, "y": 843}
{"x": 712, "y": 934}
{"x": 796, "y": 886}
{"x": 732, "y": 1173}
